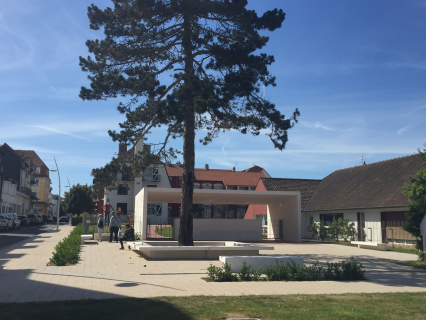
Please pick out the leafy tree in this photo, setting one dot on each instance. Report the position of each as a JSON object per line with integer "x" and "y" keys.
{"x": 416, "y": 192}
{"x": 78, "y": 200}
{"x": 319, "y": 231}
{"x": 185, "y": 65}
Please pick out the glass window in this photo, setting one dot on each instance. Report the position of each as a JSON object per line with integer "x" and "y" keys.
{"x": 217, "y": 213}
{"x": 218, "y": 186}
{"x": 241, "y": 212}
{"x": 37, "y": 171}
{"x": 207, "y": 212}
{"x": 207, "y": 186}
{"x": 327, "y": 219}
{"x": 122, "y": 190}
{"x": 252, "y": 188}
{"x": 241, "y": 188}
{"x": 230, "y": 214}
{"x": 196, "y": 186}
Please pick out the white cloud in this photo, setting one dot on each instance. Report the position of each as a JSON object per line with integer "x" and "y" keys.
{"x": 315, "y": 125}
{"x": 403, "y": 129}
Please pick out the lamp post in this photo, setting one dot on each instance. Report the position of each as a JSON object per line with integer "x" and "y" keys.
{"x": 59, "y": 199}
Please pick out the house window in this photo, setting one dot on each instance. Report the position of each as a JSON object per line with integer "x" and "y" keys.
{"x": 230, "y": 188}
{"x": 207, "y": 186}
{"x": 196, "y": 186}
{"x": 217, "y": 213}
{"x": 37, "y": 170}
{"x": 155, "y": 209}
{"x": 252, "y": 188}
{"x": 151, "y": 186}
{"x": 230, "y": 214}
{"x": 328, "y": 218}
{"x": 207, "y": 212}
{"x": 122, "y": 190}
{"x": 241, "y": 212}
{"x": 180, "y": 182}
{"x": 218, "y": 186}
{"x": 241, "y": 188}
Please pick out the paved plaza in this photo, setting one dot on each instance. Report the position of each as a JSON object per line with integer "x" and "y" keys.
{"x": 106, "y": 272}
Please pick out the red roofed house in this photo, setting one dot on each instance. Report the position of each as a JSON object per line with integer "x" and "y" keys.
{"x": 216, "y": 179}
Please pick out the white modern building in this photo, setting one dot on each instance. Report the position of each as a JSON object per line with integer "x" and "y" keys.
{"x": 123, "y": 197}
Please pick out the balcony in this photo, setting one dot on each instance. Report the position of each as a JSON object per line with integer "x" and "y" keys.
{"x": 151, "y": 178}
{"x": 25, "y": 190}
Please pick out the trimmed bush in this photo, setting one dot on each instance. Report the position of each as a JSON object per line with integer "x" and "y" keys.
{"x": 342, "y": 270}
{"x": 67, "y": 250}
{"x": 76, "y": 220}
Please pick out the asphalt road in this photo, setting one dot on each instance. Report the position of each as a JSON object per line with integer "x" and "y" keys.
{"x": 13, "y": 236}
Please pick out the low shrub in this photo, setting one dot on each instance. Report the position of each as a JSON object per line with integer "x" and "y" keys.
{"x": 342, "y": 270}
{"x": 67, "y": 250}
{"x": 75, "y": 220}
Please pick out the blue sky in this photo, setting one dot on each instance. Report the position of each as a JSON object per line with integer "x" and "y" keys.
{"x": 355, "y": 69}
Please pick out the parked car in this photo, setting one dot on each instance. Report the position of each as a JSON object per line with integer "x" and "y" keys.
{"x": 25, "y": 222}
{"x": 15, "y": 221}
{"x": 39, "y": 218}
{"x": 33, "y": 219}
{"x": 63, "y": 219}
{"x": 5, "y": 222}
{"x": 54, "y": 219}
{"x": 47, "y": 219}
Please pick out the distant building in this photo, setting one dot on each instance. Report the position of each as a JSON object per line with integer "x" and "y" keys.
{"x": 221, "y": 179}
{"x": 41, "y": 188}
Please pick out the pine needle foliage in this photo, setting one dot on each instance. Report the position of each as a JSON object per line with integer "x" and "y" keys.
{"x": 185, "y": 65}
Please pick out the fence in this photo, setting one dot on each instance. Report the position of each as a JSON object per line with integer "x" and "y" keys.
{"x": 159, "y": 228}
{"x": 390, "y": 232}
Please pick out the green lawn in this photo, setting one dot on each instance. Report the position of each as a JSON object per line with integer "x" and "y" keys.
{"x": 414, "y": 264}
{"x": 165, "y": 232}
{"x": 411, "y": 251}
{"x": 345, "y": 306}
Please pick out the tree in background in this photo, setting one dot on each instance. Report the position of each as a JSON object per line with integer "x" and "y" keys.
{"x": 186, "y": 65}
{"x": 416, "y": 192}
{"x": 79, "y": 200}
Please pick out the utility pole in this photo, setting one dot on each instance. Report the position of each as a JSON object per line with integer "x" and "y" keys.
{"x": 59, "y": 198}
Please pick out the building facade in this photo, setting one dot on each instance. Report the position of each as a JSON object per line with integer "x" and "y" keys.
{"x": 218, "y": 179}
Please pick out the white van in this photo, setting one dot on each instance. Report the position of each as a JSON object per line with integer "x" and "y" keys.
{"x": 15, "y": 221}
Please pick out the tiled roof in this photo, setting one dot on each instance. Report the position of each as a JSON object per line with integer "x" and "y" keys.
{"x": 368, "y": 186}
{"x": 31, "y": 154}
{"x": 228, "y": 177}
{"x": 305, "y": 186}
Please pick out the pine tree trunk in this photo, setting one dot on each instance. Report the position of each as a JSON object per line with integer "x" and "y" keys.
{"x": 186, "y": 227}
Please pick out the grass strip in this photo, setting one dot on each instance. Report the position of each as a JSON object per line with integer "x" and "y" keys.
{"x": 166, "y": 232}
{"x": 344, "y": 306}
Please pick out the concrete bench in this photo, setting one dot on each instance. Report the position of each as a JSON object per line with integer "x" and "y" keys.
{"x": 236, "y": 262}
{"x": 86, "y": 237}
{"x": 371, "y": 245}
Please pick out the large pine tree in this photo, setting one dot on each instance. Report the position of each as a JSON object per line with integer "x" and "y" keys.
{"x": 210, "y": 49}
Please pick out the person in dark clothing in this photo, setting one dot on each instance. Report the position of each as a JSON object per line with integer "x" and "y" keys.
{"x": 129, "y": 235}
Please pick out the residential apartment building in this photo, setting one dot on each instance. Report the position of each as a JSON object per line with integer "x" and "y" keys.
{"x": 40, "y": 188}
{"x": 218, "y": 179}
{"x": 16, "y": 180}
{"x": 123, "y": 196}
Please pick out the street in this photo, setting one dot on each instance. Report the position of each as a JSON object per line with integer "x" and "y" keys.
{"x": 13, "y": 236}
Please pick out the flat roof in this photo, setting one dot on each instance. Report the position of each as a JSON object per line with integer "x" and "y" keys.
{"x": 173, "y": 195}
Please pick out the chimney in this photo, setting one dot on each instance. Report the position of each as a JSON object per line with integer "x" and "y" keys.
{"x": 233, "y": 168}
{"x": 206, "y": 167}
{"x": 122, "y": 147}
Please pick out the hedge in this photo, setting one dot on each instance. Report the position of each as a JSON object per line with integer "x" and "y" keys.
{"x": 67, "y": 250}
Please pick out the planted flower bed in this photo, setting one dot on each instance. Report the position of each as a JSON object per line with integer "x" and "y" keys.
{"x": 349, "y": 269}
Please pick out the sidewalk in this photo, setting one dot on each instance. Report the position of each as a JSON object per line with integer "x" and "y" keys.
{"x": 106, "y": 272}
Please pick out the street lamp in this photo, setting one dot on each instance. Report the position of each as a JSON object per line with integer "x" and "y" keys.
{"x": 59, "y": 199}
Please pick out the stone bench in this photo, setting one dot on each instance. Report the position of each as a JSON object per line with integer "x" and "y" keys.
{"x": 236, "y": 262}
{"x": 371, "y": 245}
{"x": 85, "y": 237}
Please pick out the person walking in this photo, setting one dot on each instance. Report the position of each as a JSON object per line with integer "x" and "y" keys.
{"x": 101, "y": 226}
{"x": 114, "y": 224}
{"x": 129, "y": 235}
